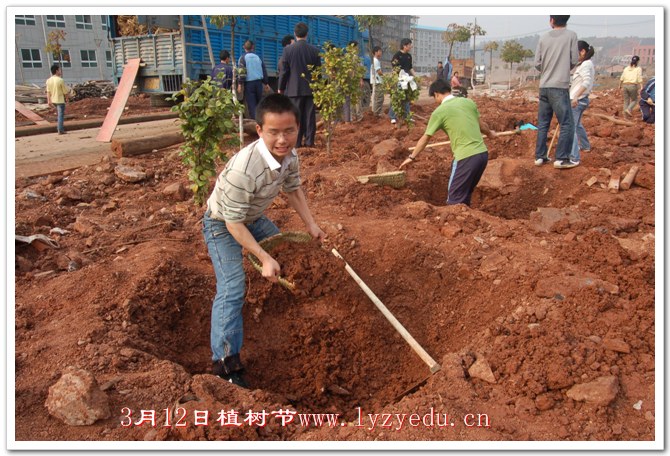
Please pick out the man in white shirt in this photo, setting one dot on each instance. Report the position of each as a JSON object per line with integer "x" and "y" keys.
{"x": 376, "y": 78}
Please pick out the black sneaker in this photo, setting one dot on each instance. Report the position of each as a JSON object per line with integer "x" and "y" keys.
{"x": 231, "y": 369}
{"x": 237, "y": 378}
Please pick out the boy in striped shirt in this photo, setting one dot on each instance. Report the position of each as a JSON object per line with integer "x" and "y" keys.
{"x": 234, "y": 219}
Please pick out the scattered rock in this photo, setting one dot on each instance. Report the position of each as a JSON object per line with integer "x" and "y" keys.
{"x": 418, "y": 209}
{"x": 387, "y": 148}
{"x": 76, "y": 399}
{"x": 450, "y": 230}
{"x": 524, "y": 406}
{"x": 616, "y": 345}
{"x": 481, "y": 370}
{"x": 385, "y": 166}
{"x": 565, "y": 285}
{"x": 175, "y": 191}
{"x": 22, "y": 264}
{"x": 32, "y": 195}
{"x": 604, "y": 132}
{"x": 631, "y": 135}
{"x": 128, "y": 174}
{"x": 595, "y": 339}
{"x": 491, "y": 264}
{"x": 546, "y": 219}
{"x": 72, "y": 194}
{"x": 645, "y": 177}
{"x": 54, "y": 179}
{"x": 84, "y": 226}
{"x": 601, "y": 391}
{"x": 452, "y": 366}
{"x": 544, "y": 402}
{"x": 44, "y": 220}
{"x": 337, "y": 389}
{"x": 627, "y": 225}
{"x": 494, "y": 178}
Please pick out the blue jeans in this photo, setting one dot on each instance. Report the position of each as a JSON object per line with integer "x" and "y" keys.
{"x": 253, "y": 92}
{"x": 557, "y": 101}
{"x": 392, "y": 114}
{"x": 60, "y": 110}
{"x": 581, "y": 141}
{"x": 226, "y": 254}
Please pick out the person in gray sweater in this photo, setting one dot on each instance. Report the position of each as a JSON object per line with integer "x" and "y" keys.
{"x": 555, "y": 56}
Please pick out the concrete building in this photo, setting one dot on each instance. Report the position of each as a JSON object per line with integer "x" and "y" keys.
{"x": 85, "y": 50}
{"x": 430, "y": 48}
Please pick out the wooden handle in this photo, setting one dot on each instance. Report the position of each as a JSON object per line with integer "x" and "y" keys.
{"x": 553, "y": 138}
{"x": 425, "y": 357}
{"x": 610, "y": 118}
{"x": 444, "y": 143}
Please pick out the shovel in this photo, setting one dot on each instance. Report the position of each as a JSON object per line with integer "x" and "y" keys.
{"x": 418, "y": 349}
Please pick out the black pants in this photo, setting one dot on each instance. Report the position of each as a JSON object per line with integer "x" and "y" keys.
{"x": 648, "y": 112}
{"x": 307, "y": 120}
{"x": 465, "y": 175}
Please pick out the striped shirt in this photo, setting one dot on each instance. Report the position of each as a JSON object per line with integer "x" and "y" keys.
{"x": 250, "y": 182}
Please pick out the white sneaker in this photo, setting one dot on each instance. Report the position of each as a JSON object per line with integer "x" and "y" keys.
{"x": 393, "y": 121}
{"x": 542, "y": 161}
{"x": 565, "y": 164}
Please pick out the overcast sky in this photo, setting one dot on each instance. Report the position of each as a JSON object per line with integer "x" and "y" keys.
{"x": 509, "y": 27}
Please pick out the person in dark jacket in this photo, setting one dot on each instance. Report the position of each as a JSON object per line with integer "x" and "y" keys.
{"x": 440, "y": 71}
{"x": 648, "y": 101}
{"x": 225, "y": 80}
{"x": 286, "y": 41}
{"x": 294, "y": 81}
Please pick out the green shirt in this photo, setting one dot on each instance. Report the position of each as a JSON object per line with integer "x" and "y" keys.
{"x": 459, "y": 119}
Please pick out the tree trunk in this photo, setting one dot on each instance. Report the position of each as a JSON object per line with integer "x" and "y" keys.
{"x": 138, "y": 146}
{"x": 509, "y": 79}
{"x": 240, "y": 126}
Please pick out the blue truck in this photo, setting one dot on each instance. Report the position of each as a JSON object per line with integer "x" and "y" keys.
{"x": 168, "y": 59}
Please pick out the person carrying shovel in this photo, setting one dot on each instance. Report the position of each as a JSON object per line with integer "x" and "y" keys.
{"x": 458, "y": 118}
{"x": 234, "y": 219}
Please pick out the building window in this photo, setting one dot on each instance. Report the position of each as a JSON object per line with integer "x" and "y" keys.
{"x": 83, "y": 22}
{"x": 32, "y": 58}
{"x": 56, "y": 21}
{"x": 108, "y": 58}
{"x": 88, "y": 59}
{"x": 104, "y": 22}
{"x": 24, "y": 20}
{"x": 64, "y": 58}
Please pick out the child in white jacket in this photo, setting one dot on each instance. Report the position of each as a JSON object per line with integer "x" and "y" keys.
{"x": 580, "y": 87}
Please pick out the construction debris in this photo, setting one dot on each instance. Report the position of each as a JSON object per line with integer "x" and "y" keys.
{"x": 93, "y": 89}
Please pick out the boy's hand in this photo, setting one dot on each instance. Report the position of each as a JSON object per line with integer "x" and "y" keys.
{"x": 271, "y": 269}
{"x": 316, "y": 232}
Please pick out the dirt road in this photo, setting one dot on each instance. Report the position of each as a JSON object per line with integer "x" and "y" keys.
{"x": 50, "y": 153}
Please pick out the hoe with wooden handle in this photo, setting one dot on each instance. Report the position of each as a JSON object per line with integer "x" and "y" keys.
{"x": 432, "y": 364}
{"x": 444, "y": 143}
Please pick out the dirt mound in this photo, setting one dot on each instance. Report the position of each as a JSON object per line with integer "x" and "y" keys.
{"x": 545, "y": 284}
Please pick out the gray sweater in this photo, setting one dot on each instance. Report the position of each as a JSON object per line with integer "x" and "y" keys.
{"x": 555, "y": 56}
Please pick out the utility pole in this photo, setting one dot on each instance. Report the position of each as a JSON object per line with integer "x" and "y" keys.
{"x": 474, "y": 58}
